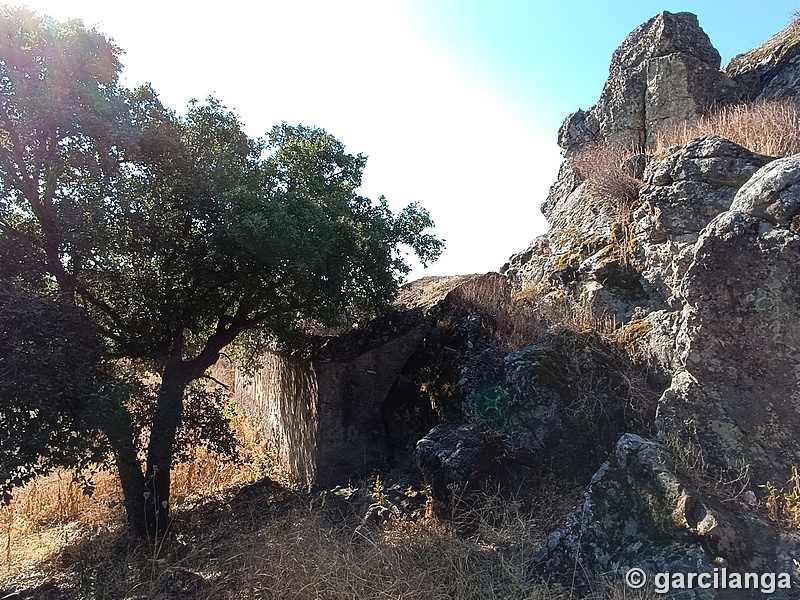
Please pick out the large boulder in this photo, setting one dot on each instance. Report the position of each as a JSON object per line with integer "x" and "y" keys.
{"x": 665, "y": 72}
{"x": 685, "y": 188}
{"x": 738, "y": 398}
{"x": 774, "y": 195}
{"x": 557, "y": 405}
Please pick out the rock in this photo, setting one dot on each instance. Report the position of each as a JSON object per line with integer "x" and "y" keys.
{"x": 641, "y": 510}
{"x": 446, "y": 455}
{"x": 578, "y": 129}
{"x": 562, "y": 400}
{"x": 558, "y": 405}
{"x": 710, "y": 159}
{"x": 665, "y": 72}
{"x": 625, "y": 517}
{"x": 378, "y": 515}
{"x": 773, "y": 194}
{"x": 583, "y": 253}
{"x": 681, "y": 87}
{"x": 182, "y": 584}
{"x": 736, "y": 398}
{"x": 684, "y": 190}
{"x": 341, "y": 502}
{"x": 772, "y": 70}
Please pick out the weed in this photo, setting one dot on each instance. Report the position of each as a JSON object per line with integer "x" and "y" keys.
{"x": 727, "y": 485}
{"x": 783, "y": 504}
{"x": 608, "y": 169}
{"x": 378, "y": 494}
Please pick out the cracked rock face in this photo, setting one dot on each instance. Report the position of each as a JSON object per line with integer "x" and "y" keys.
{"x": 717, "y": 256}
{"x": 774, "y": 195}
{"x": 739, "y": 398}
{"x": 684, "y": 190}
{"x": 665, "y": 72}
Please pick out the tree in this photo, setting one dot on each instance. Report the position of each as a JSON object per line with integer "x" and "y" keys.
{"x": 51, "y": 397}
{"x": 177, "y": 236}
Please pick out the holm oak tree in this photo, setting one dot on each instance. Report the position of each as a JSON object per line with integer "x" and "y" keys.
{"x": 174, "y": 236}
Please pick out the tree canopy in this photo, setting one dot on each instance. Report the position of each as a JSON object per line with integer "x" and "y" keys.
{"x": 157, "y": 240}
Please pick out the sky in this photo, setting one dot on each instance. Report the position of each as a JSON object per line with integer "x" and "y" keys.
{"x": 456, "y": 103}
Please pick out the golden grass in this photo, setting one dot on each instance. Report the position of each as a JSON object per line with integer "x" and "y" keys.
{"x": 515, "y": 318}
{"x": 52, "y": 512}
{"x": 274, "y": 543}
{"x": 770, "y": 127}
{"x": 608, "y": 169}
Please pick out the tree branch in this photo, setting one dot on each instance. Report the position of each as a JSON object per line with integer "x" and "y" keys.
{"x": 215, "y": 380}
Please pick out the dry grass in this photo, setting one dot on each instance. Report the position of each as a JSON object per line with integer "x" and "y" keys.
{"x": 515, "y": 318}
{"x": 518, "y": 318}
{"x": 783, "y": 503}
{"x": 52, "y": 512}
{"x": 510, "y": 323}
{"x": 614, "y": 174}
{"x": 304, "y": 556}
{"x": 609, "y": 170}
{"x": 273, "y": 543}
{"x": 770, "y": 127}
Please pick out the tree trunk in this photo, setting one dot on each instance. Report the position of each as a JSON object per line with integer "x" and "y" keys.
{"x": 166, "y": 420}
{"x": 119, "y": 430}
{"x": 133, "y": 487}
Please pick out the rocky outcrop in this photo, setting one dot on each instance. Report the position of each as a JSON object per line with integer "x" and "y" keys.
{"x": 642, "y": 510}
{"x": 678, "y": 414}
{"x": 738, "y": 399}
{"x": 708, "y": 301}
{"x": 685, "y": 188}
{"x": 774, "y": 195}
{"x": 772, "y": 70}
{"x": 665, "y": 72}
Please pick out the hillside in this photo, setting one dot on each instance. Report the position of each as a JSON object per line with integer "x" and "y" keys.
{"x": 622, "y": 395}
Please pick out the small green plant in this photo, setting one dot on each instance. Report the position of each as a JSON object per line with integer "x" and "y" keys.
{"x": 783, "y": 503}
{"x": 378, "y": 494}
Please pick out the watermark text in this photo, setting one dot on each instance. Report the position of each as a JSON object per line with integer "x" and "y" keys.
{"x": 718, "y": 579}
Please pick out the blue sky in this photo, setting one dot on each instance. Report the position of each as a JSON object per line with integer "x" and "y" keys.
{"x": 456, "y": 102}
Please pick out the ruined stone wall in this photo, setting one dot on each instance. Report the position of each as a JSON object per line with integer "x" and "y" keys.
{"x": 281, "y": 398}
{"x": 331, "y": 418}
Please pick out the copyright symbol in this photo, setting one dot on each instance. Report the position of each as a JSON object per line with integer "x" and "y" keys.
{"x": 635, "y": 578}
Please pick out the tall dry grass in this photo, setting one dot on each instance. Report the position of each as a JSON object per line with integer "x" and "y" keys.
{"x": 770, "y": 127}
{"x": 297, "y": 550}
{"x": 614, "y": 173}
{"x": 52, "y": 512}
{"x": 515, "y": 318}
{"x": 611, "y": 170}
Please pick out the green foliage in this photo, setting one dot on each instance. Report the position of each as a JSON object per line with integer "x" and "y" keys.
{"x": 206, "y": 417}
{"x": 783, "y": 503}
{"x": 50, "y": 397}
{"x": 378, "y": 493}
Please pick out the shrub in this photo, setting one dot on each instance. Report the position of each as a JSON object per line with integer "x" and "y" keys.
{"x": 614, "y": 173}
{"x": 783, "y": 504}
{"x": 611, "y": 170}
{"x": 770, "y": 127}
